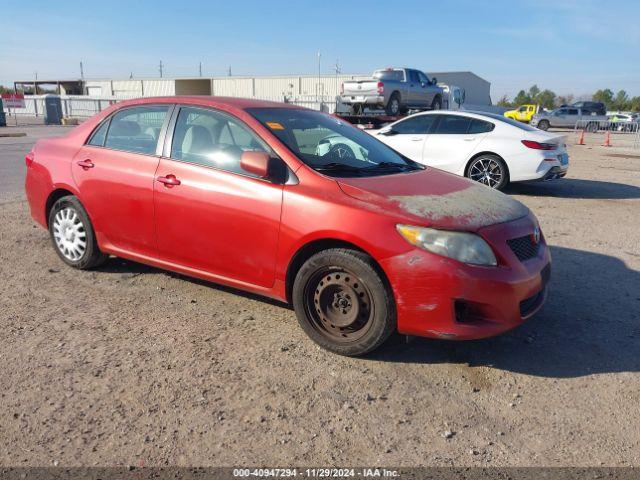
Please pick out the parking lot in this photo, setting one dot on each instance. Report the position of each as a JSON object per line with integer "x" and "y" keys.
{"x": 129, "y": 365}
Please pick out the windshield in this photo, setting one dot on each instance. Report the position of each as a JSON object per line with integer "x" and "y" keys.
{"x": 510, "y": 121}
{"x": 330, "y": 145}
{"x": 397, "y": 75}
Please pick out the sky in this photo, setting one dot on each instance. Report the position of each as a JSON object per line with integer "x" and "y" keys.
{"x": 569, "y": 46}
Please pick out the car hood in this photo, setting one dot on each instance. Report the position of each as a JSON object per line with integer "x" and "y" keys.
{"x": 435, "y": 198}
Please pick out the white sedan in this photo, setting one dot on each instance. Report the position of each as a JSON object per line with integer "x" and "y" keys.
{"x": 484, "y": 147}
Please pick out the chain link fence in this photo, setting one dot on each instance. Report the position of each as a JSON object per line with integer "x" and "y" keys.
{"x": 81, "y": 107}
{"x": 614, "y": 132}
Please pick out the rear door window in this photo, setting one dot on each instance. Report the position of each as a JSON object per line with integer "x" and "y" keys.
{"x": 420, "y": 125}
{"x": 136, "y": 129}
{"x": 453, "y": 125}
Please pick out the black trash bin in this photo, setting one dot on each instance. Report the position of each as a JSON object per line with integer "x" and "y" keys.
{"x": 52, "y": 110}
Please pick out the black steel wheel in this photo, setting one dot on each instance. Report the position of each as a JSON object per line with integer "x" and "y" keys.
{"x": 342, "y": 302}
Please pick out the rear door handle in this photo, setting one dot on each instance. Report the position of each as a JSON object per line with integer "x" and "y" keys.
{"x": 86, "y": 164}
{"x": 469, "y": 139}
{"x": 416, "y": 139}
{"x": 169, "y": 181}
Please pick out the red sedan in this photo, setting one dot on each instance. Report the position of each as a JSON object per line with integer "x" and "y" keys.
{"x": 296, "y": 205}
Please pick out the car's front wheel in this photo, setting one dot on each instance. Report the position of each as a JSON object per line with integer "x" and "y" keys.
{"x": 72, "y": 234}
{"x": 343, "y": 303}
{"x": 490, "y": 170}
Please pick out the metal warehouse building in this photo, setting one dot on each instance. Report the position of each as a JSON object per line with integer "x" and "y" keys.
{"x": 267, "y": 87}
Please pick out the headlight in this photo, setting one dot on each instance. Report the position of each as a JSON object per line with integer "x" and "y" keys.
{"x": 461, "y": 246}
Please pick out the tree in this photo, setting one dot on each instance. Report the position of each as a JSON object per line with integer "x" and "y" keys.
{"x": 546, "y": 98}
{"x": 4, "y": 89}
{"x": 521, "y": 98}
{"x": 634, "y": 104}
{"x": 504, "y": 101}
{"x": 534, "y": 91}
{"x": 621, "y": 102}
{"x": 564, "y": 100}
{"x": 605, "y": 96}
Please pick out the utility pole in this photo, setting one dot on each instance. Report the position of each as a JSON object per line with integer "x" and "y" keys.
{"x": 81, "y": 71}
{"x": 229, "y": 71}
{"x": 318, "y": 87}
{"x": 160, "y": 68}
{"x": 337, "y": 69}
{"x": 200, "y": 68}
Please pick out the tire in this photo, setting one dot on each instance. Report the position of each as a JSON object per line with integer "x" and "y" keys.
{"x": 436, "y": 104}
{"x": 342, "y": 302}
{"x": 72, "y": 234}
{"x": 544, "y": 125}
{"x": 489, "y": 170}
{"x": 393, "y": 105}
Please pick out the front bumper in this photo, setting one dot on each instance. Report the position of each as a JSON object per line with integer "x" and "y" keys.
{"x": 441, "y": 298}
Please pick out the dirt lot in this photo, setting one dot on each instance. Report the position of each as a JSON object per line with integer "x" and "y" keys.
{"x": 129, "y": 365}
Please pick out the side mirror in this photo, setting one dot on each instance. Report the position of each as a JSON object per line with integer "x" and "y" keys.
{"x": 387, "y": 131}
{"x": 256, "y": 163}
{"x": 434, "y": 80}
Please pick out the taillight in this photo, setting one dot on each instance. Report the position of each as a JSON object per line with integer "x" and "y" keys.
{"x": 29, "y": 158}
{"x": 380, "y": 88}
{"x": 539, "y": 146}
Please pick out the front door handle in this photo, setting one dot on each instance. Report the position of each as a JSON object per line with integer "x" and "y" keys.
{"x": 469, "y": 139}
{"x": 86, "y": 164}
{"x": 416, "y": 139}
{"x": 169, "y": 181}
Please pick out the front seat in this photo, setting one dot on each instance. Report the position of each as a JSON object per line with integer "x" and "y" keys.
{"x": 197, "y": 142}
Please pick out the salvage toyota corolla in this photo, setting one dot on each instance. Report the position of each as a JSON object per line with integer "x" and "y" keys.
{"x": 295, "y": 205}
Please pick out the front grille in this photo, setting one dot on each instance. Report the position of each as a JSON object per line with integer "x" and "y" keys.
{"x": 524, "y": 247}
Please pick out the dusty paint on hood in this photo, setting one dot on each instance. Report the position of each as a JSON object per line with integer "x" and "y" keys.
{"x": 476, "y": 206}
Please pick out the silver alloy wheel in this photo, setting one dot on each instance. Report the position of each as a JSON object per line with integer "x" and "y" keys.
{"x": 69, "y": 234}
{"x": 486, "y": 171}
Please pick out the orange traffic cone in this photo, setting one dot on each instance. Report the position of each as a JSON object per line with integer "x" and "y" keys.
{"x": 607, "y": 140}
{"x": 581, "y": 139}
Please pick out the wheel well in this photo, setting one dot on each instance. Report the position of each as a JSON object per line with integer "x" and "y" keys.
{"x": 311, "y": 248}
{"x": 53, "y": 198}
{"x": 466, "y": 168}
{"x": 396, "y": 93}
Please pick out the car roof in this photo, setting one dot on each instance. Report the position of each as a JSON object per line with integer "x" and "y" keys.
{"x": 210, "y": 101}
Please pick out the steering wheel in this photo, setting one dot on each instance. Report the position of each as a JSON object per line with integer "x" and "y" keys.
{"x": 341, "y": 151}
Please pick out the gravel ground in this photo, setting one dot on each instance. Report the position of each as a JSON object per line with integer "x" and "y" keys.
{"x": 129, "y": 365}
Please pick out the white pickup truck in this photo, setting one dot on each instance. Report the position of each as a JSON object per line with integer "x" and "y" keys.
{"x": 396, "y": 90}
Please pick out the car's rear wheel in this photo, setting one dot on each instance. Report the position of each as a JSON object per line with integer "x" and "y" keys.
{"x": 343, "y": 303}
{"x": 72, "y": 234}
{"x": 490, "y": 170}
{"x": 436, "y": 104}
{"x": 543, "y": 125}
{"x": 393, "y": 105}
